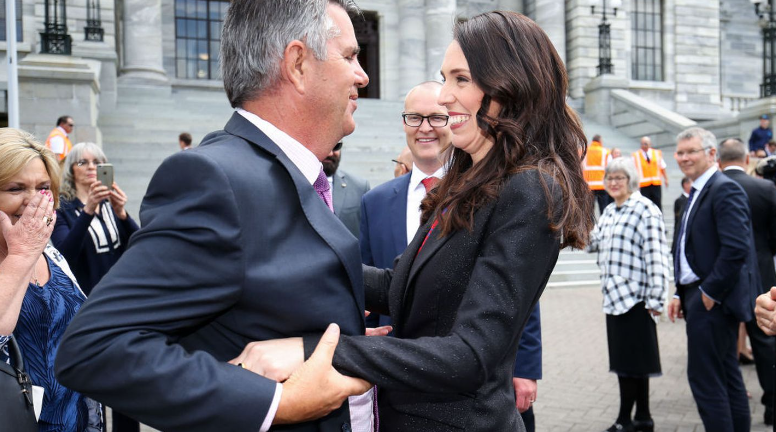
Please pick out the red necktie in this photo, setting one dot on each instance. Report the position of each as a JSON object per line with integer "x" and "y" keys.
{"x": 429, "y": 183}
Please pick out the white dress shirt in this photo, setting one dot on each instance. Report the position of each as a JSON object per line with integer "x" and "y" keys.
{"x": 361, "y": 413}
{"x": 686, "y": 275}
{"x": 415, "y": 194}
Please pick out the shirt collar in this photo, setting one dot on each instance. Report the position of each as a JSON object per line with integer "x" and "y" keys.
{"x": 701, "y": 181}
{"x": 63, "y": 130}
{"x": 417, "y": 176}
{"x": 733, "y": 167}
{"x": 300, "y": 156}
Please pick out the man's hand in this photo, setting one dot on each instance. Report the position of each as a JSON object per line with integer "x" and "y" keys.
{"x": 765, "y": 312}
{"x": 275, "y": 359}
{"x": 525, "y": 393}
{"x": 675, "y": 309}
{"x": 379, "y": 331}
{"x": 317, "y": 389}
{"x": 708, "y": 303}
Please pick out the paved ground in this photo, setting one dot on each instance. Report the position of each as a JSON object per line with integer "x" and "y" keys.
{"x": 579, "y": 394}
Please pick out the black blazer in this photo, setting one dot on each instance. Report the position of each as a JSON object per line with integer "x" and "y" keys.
{"x": 242, "y": 249}
{"x": 762, "y": 203}
{"x": 720, "y": 249}
{"x": 678, "y": 212}
{"x": 458, "y": 309}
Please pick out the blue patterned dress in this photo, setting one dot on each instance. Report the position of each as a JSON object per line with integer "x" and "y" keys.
{"x": 45, "y": 313}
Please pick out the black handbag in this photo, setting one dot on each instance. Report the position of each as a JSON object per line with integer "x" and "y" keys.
{"x": 16, "y": 409}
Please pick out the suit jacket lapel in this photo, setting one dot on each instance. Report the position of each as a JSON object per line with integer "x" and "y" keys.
{"x": 323, "y": 221}
{"x": 338, "y": 191}
{"x": 697, "y": 204}
{"x": 397, "y": 205}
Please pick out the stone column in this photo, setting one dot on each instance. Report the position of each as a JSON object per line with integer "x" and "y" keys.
{"x": 143, "y": 43}
{"x": 440, "y": 17}
{"x": 551, "y": 17}
{"x": 412, "y": 44}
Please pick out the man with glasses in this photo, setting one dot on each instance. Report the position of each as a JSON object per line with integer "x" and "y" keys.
{"x": 715, "y": 268}
{"x": 58, "y": 140}
{"x": 346, "y": 190}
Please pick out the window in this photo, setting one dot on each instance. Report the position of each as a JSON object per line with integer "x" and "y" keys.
{"x": 18, "y": 20}
{"x": 198, "y": 38}
{"x": 647, "y": 37}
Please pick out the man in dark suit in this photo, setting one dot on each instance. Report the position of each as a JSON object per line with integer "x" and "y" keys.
{"x": 716, "y": 282}
{"x": 346, "y": 191}
{"x": 733, "y": 160}
{"x": 390, "y": 213}
{"x": 248, "y": 249}
{"x": 679, "y": 204}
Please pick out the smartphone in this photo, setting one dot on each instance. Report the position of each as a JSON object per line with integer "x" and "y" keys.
{"x": 105, "y": 174}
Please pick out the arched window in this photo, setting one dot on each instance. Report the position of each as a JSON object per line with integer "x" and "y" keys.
{"x": 647, "y": 40}
{"x": 198, "y": 26}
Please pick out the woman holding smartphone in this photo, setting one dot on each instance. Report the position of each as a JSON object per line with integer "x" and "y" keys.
{"x": 92, "y": 228}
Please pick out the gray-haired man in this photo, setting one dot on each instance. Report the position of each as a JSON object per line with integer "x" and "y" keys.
{"x": 248, "y": 249}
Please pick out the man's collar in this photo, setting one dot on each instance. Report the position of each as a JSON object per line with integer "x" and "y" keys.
{"x": 733, "y": 167}
{"x": 416, "y": 175}
{"x": 701, "y": 181}
{"x": 63, "y": 130}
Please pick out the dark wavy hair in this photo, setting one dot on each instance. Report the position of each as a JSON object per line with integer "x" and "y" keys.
{"x": 514, "y": 63}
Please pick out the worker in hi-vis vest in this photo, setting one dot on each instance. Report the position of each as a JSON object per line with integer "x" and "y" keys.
{"x": 595, "y": 161}
{"x": 651, "y": 167}
{"x": 58, "y": 140}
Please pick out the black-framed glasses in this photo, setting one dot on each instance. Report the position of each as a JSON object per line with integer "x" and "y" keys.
{"x": 337, "y": 147}
{"x": 400, "y": 163}
{"x": 434, "y": 120}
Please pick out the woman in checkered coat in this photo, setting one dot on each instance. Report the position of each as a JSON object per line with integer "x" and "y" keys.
{"x": 633, "y": 256}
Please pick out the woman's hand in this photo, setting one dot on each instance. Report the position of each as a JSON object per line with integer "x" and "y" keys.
{"x": 654, "y": 312}
{"x": 117, "y": 200}
{"x": 28, "y": 236}
{"x": 275, "y": 359}
{"x": 97, "y": 194}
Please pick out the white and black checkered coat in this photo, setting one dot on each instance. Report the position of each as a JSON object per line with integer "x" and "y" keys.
{"x": 632, "y": 254}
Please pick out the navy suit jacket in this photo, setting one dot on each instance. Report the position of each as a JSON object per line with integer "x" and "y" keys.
{"x": 384, "y": 237}
{"x": 720, "y": 248}
{"x": 242, "y": 250}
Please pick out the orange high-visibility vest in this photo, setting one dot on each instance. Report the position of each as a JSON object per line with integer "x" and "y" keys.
{"x": 594, "y": 165}
{"x": 68, "y": 145}
{"x": 649, "y": 171}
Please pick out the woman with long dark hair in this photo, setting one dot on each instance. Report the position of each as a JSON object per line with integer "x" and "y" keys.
{"x": 461, "y": 293}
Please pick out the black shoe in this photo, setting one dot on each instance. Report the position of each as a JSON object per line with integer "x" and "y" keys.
{"x": 617, "y": 427}
{"x": 768, "y": 416}
{"x": 643, "y": 425}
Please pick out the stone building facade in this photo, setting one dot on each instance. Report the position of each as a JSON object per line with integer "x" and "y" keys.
{"x": 676, "y": 62}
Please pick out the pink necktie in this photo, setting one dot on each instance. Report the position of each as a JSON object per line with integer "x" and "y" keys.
{"x": 323, "y": 189}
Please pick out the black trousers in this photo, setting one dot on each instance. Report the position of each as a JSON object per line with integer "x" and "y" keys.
{"x": 655, "y": 194}
{"x": 603, "y": 199}
{"x": 712, "y": 365}
{"x": 529, "y": 420}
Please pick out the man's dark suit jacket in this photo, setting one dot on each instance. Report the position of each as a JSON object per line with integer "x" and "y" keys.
{"x": 458, "y": 307}
{"x": 384, "y": 237}
{"x": 243, "y": 250}
{"x": 720, "y": 249}
{"x": 762, "y": 201}
{"x": 678, "y": 211}
{"x": 346, "y": 193}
